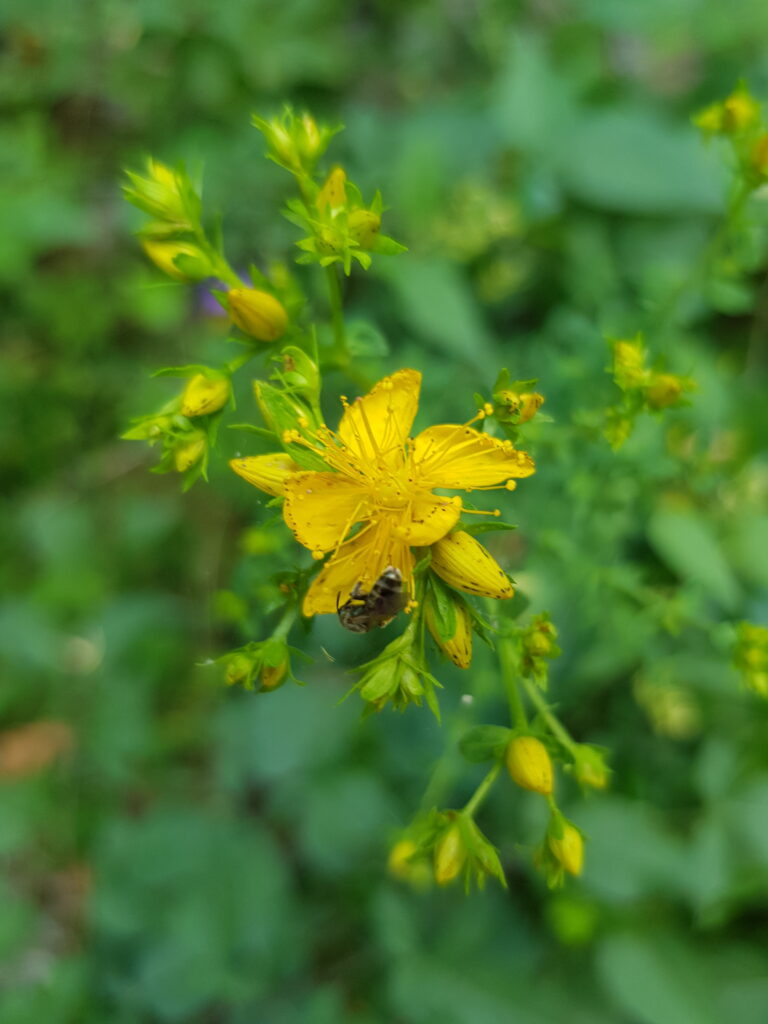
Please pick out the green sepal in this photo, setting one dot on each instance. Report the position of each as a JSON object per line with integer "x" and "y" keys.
{"x": 484, "y": 743}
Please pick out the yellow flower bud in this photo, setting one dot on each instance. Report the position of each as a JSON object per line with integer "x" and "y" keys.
{"x": 189, "y": 452}
{"x": 194, "y": 266}
{"x": 159, "y": 194}
{"x": 458, "y": 647}
{"x": 710, "y": 119}
{"x": 204, "y": 395}
{"x": 257, "y": 313}
{"x": 363, "y": 226}
{"x": 569, "y": 849}
{"x": 740, "y": 111}
{"x": 664, "y": 390}
{"x": 465, "y": 564}
{"x": 333, "y": 193}
{"x": 538, "y": 644}
{"x": 311, "y": 141}
{"x": 450, "y": 856}
{"x": 530, "y": 403}
{"x": 272, "y": 675}
{"x": 759, "y": 156}
{"x": 529, "y": 764}
{"x": 590, "y": 768}
{"x": 238, "y": 669}
{"x": 398, "y": 862}
{"x": 267, "y": 472}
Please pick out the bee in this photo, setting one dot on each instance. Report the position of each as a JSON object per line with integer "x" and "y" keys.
{"x": 362, "y": 611}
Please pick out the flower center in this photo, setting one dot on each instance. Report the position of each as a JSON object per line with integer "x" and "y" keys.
{"x": 388, "y": 493}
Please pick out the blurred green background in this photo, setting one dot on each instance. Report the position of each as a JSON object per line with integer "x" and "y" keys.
{"x": 173, "y": 851}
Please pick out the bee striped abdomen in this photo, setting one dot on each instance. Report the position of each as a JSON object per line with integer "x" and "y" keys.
{"x": 361, "y": 611}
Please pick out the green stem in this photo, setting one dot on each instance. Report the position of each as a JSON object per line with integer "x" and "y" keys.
{"x": 235, "y": 364}
{"x": 554, "y": 724}
{"x": 219, "y": 265}
{"x": 283, "y": 628}
{"x": 481, "y": 792}
{"x": 508, "y": 663}
{"x": 337, "y": 315}
{"x": 450, "y": 763}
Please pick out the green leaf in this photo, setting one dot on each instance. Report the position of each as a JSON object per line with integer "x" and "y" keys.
{"x": 365, "y": 341}
{"x": 687, "y": 544}
{"x": 182, "y": 371}
{"x": 489, "y": 527}
{"x": 484, "y": 742}
{"x": 655, "y": 980}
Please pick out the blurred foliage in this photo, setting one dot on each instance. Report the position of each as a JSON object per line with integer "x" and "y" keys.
{"x": 175, "y": 852}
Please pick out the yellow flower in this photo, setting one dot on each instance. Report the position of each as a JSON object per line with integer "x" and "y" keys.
{"x": 257, "y": 313}
{"x": 384, "y": 480}
{"x": 529, "y": 764}
{"x": 203, "y": 395}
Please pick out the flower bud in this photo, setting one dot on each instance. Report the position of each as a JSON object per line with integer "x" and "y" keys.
{"x": 664, "y": 390}
{"x": 759, "y": 156}
{"x": 364, "y": 226}
{"x": 523, "y": 405}
{"x": 398, "y": 862}
{"x": 457, "y": 647}
{"x": 267, "y": 472}
{"x": 740, "y": 111}
{"x": 160, "y": 194}
{"x": 529, "y": 764}
{"x": 465, "y": 564}
{"x": 568, "y": 850}
{"x": 204, "y": 395}
{"x": 183, "y": 261}
{"x": 238, "y": 669}
{"x": 450, "y": 856}
{"x": 189, "y": 452}
{"x": 272, "y": 675}
{"x": 589, "y": 767}
{"x": 333, "y": 194}
{"x": 257, "y": 313}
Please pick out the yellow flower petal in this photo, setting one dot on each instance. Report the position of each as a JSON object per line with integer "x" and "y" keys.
{"x": 432, "y": 517}
{"x": 320, "y": 508}
{"x": 267, "y": 472}
{"x": 377, "y": 426}
{"x": 464, "y": 563}
{"x": 359, "y": 560}
{"x": 460, "y": 457}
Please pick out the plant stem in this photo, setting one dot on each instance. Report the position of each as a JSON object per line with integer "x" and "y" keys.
{"x": 283, "y": 628}
{"x": 337, "y": 315}
{"x": 219, "y": 265}
{"x": 554, "y": 724}
{"x": 481, "y": 792}
{"x": 507, "y": 662}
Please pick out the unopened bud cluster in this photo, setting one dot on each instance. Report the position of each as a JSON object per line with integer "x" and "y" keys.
{"x": 643, "y": 388}
{"x": 750, "y": 656}
{"x": 739, "y": 119}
